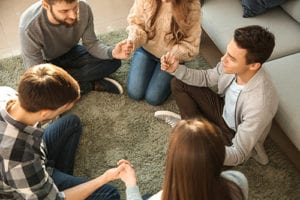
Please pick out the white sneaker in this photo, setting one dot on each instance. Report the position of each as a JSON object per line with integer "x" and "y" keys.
{"x": 169, "y": 117}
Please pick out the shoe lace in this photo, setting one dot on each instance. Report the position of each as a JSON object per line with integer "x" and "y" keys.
{"x": 171, "y": 121}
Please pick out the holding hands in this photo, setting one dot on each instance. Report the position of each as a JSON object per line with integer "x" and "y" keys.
{"x": 123, "y": 171}
{"x": 169, "y": 63}
{"x": 113, "y": 173}
{"x": 127, "y": 175}
{"x": 123, "y": 49}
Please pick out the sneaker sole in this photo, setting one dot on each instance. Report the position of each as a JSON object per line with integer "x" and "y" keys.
{"x": 116, "y": 83}
{"x": 159, "y": 113}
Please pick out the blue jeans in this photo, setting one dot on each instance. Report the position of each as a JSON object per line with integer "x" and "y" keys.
{"x": 146, "y": 80}
{"x": 62, "y": 138}
{"x": 85, "y": 68}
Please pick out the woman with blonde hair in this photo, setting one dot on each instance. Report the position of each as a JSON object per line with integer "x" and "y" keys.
{"x": 194, "y": 166}
{"x": 158, "y": 27}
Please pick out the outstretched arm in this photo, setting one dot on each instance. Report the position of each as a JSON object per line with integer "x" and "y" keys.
{"x": 123, "y": 49}
{"x": 84, "y": 190}
{"x": 127, "y": 175}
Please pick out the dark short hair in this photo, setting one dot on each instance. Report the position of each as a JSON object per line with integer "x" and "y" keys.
{"x": 46, "y": 86}
{"x": 52, "y": 2}
{"x": 258, "y": 41}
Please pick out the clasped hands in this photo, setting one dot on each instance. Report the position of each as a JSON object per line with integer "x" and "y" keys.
{"x": 123, "y": 49}
{"x": 169, "y": 62}
{"x": 123, "y": 171}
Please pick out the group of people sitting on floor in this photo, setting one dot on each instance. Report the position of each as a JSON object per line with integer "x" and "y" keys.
{"x": 64, "y": 60}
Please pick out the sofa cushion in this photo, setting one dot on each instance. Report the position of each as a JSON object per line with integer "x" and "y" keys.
{"x": 292, "y": 7}
{"x": 220, "y": 18}
{"x": 252, "y": 8}
{"x": 285, "y": 75}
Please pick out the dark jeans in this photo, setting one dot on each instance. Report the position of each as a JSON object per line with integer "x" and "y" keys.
{"x": 85, "y": 68}
{"x": 195, "y": 101}
{"x": 62, "y": 138}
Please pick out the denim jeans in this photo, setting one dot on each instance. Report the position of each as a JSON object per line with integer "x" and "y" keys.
{"x": 146, "y": 80}
{"x": 62, "y": 138}
{"x": 85, "y": 68}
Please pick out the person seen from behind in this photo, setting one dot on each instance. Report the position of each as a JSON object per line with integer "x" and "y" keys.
{"x": 38, "y": 163}
{"x": 194, "y": 167}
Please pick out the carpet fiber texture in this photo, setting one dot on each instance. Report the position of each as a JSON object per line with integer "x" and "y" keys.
{"x": 116, "y": 127}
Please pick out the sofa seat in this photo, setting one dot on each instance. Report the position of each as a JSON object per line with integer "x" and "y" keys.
{"x": 220, "y": 18}
{"x": 285, "y": 75}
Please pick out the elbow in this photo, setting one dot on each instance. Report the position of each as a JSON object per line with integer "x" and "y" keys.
{"x": 234, "y": 158}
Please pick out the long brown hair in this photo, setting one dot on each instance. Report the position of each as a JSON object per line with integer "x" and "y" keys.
{"x": 180, "y": 22}
{"x": 194, "y": 163}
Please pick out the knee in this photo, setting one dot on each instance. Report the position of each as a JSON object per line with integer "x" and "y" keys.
{"x": 176, "y": 85}
{"x": 109, "y": 192}
{"x": 156, "y": 99}
{"x": 153, "y": 102}
{"x": 134, "y": 91}
{"x": 173, "y": 83}
{"x": 134, "y": 94}
{"x": 114, "y": 194}
{"x": 73, "y": 121}
{"x": 116, "y": 63}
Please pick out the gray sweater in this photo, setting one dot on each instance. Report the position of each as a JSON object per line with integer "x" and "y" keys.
{"x": 43, "y": 41}
{"x": 256, "y": 107}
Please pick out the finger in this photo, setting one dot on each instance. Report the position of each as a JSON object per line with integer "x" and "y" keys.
{"x": 164, "y": 67}
{"x": 168, "y": 55}
{"x": 129, "y": 42}
{"x": 163, "y": 60}
{"x": 123, "y": 161}
{"x": 122, "y": 43}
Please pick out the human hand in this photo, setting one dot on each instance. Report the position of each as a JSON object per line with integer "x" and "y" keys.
{"x": 113, "y": 173}
{"x": 127, "y": 175}
{"x": 169, "y": 63}
{"x": 123, "y": 49}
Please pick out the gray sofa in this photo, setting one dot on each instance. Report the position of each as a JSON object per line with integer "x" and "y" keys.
{"x": 221, "y": 17}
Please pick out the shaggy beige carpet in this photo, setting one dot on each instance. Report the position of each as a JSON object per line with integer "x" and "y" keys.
{"x": 117, "y": 127}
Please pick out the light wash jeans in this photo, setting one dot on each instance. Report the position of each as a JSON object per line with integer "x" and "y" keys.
{"x": 146, "y": 80}
{"x": 85, "y": 68}
{"x": 62, "y": 138}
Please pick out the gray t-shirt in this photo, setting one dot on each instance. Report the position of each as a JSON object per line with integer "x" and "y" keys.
{"x": 43, "y": 41}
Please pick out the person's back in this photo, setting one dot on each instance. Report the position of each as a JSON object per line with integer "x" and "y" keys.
{"x": 23, "y": 153}
{"x": 38, "y": 163}
{"x": 194, "y": 166}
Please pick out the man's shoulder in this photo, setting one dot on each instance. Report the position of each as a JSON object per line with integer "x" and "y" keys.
{"x": 31, "y": 15}
{"x": 84, "y": 8}
{"x": 262, "y": 80}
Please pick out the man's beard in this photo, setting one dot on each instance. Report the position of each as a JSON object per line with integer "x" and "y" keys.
{"x": 63, "y": 22}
